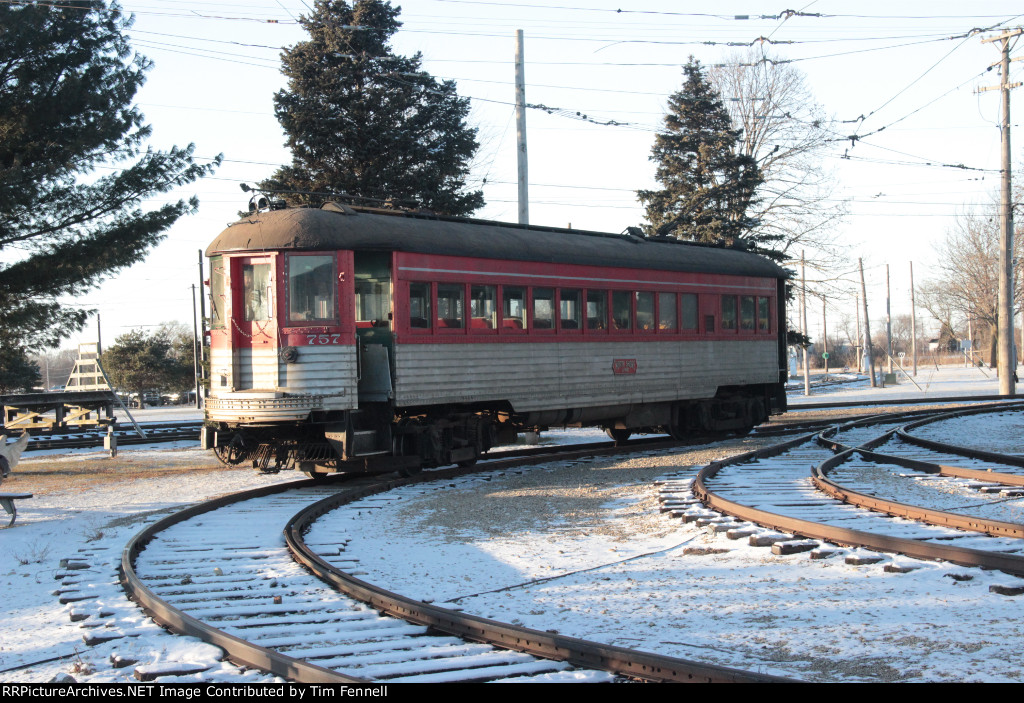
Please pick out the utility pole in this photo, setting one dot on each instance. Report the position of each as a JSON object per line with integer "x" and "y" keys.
{"x": 913, "y": 319}
{"x": 1007, "y": 385}
{"x": 868, "y": 361}
{"x": 524, "y": 196}
{"x": 803, "y": 324}
{"x": 196, "y": 345}
{"x": 824, "y": 334}
{"x": 888, "y": 319}
{"x": 202, "y": 331}
{"x": 860, "y": 356}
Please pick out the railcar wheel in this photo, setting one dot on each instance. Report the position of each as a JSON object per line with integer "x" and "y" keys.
{"x": 408, "y": 471}
{"x": 618, "y": 435}
{"x": 466, "y": 463}
{"x": 317, "y": 476}
{"x": 233, "y": 453}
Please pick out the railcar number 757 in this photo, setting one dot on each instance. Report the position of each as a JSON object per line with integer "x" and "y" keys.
{"x": 322, "y": 338}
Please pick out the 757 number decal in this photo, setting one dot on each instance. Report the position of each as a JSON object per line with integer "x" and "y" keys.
{"x": 323, "y": 339}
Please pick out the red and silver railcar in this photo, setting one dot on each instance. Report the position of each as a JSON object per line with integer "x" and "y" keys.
{"x": 346, "y": 338}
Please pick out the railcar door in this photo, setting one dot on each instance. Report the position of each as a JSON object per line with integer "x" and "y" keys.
{"x": 254, "y": 322}
{"x": 374, "y": 326}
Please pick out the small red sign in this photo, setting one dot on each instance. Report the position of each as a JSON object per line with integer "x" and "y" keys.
{"x": 623, "y": 366}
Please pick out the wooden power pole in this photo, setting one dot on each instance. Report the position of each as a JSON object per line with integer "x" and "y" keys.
{"x": 1007, "y": 384}
{"x": 524, "y": 196}
{"x": 869, "y": 362}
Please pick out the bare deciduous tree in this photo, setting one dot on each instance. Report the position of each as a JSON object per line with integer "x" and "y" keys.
{"x": 967, "y": 285}
{"x": 787, "y": 133}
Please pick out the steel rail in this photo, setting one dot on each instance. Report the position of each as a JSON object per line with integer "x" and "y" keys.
{"x": 843, "y": 536}
{"x": 890, "y": 507}
{"x": 637, "y": 664}
{"x": 237, "y": 650}
{"x": 904, "y": 433}
{"x": 582, "y": 653}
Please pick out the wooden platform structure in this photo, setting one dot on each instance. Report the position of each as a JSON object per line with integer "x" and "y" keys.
{"x": 58, "y": 410}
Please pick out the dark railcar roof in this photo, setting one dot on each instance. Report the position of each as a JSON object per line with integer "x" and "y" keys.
{"x": 342, "y": 227}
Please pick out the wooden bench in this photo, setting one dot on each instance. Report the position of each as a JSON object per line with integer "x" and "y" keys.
{"x": 7, "y": 501}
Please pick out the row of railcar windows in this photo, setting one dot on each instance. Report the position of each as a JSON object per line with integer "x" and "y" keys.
{"x": 442, "y": 307}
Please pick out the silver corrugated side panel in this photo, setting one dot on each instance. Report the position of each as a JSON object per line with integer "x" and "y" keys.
{"x": 550, "y": 376}
{"x": 327, "y": 370}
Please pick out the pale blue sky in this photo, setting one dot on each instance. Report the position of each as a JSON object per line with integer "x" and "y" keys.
{"x": 217, "y": 68}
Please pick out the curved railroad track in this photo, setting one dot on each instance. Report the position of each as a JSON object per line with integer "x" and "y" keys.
{"x": 850, "y": 486}
{"x": 222, "y": 571}
{"x": 246, "y": 594}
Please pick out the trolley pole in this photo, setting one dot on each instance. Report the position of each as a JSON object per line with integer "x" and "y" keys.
{"x": 1007, "y": 385}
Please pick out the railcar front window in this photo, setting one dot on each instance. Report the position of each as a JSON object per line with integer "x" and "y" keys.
{"x": 218, "y": 298}
{"x": 667, "y": 312}
{"x": 747, "y": 312}
{"x": 645, "y": 311}
{"x": 311, "y": 289}
{"x": 763, "y": 314}
{"x": 543, "y": 308}
{"x": 622, "y": 312}
{"x": 419, "y": 306}
{"x": 451, "y": 312}
{"x": 569, "y": 309}
{"x": 483, "y": 307}
{"x": 688, "y": 303}
{"x": 597, "y": 310}
{"x": 513, "y": 304}
{"x": 728, "y": 312}
{"x": 256, "y": 291}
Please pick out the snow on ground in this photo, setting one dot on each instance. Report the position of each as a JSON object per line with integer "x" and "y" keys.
{"x": 930, "y": 382}
{"x": 652, "y": 583}
{"x": 59, "y": 525}
{"x": 583, "y": 550}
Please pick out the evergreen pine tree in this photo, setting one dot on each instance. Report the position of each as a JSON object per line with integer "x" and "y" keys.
{"x": 73, "y": 166}
{"x": 141, "y": 362}
{"x": 708, "y": 183}
{"x": 365, "y": 122}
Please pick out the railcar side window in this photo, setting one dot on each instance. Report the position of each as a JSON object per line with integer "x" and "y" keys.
{"x": 667, "y": 312}
{"x": 764, "y": 318}
{"x": 728, "y": 312}
{"x": 218, "y": 298}
{"x": 256, "y": 291}
{"x": 311, "y": 288}
{"x": 513, "y": 302}
{"x": 483, "y": 307}
{"x": 622, "y": 313}
{"x": 645, "y": 311}
{"x": 747, "y": 312}
{"x": 688, "y": 304}
{"x": 451, "y": 312}
{"x": 569, "y": 309}
{"x": 543, "y": 308}
{"x": 597, "y": 310}
{"x": 419, "y": 306}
